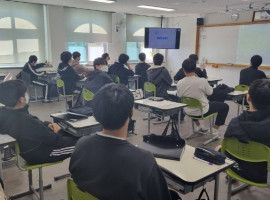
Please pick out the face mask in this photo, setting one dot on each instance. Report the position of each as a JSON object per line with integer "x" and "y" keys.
{"x": 26, "y": 98}
{"x": 105, "y": 68}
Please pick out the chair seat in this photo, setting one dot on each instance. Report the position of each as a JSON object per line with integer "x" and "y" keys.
{"x": 234, "y": 175}
{"x": 26, "y": 166}
{"x": 200, "y": 118}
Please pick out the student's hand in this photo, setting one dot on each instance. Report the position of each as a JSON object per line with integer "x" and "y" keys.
{"x": 203, "y": 66}
{"x": 47, "y": 63}
{"x": 128, "y": 65}
{"x": 55, "y": 127}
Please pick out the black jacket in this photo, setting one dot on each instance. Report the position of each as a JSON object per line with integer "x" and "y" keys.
{"x": 69, "y": 76}
{"x": 35, "y": 138}
{"x": 161, "y": 78}
{"x": 119, "y": 70}
{"x": 96, "y": 80}
{"x": 248, "y": 75}
{"x": 28, "y": 68}
{"x": 113, "y": 169}
{"x": 254, "y": 126}
{"x": 180, "y": 74}
{"x": 140, "y": 69}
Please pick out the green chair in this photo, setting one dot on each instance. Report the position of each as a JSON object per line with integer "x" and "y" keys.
{"x": 24, "y": 166}
{"x": 149, "y": 87}
{"x": 197, "y": 104}
{"x": 241, "y": 88}
{"x": 74, "y": 193}
{"x": 61, "y": 91}
{"x": 117, "y": 79}
{"x": 249, "y": 152}
{"x": 87, "y": 95}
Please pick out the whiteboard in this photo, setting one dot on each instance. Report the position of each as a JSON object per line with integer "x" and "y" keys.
{"x": 235, "y": 44}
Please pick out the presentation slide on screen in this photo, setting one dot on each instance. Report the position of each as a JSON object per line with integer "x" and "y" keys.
{"x": 162, "y": 38}
{"x": 253, "y": 40}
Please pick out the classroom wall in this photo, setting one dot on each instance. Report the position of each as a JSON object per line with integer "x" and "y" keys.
{"x": 229, "y": 75}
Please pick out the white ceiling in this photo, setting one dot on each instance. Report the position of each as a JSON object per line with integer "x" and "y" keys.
{"x": 182, "y": 7}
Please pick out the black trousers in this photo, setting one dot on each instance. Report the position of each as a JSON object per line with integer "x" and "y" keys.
{"x": 44, "y": 84}
{"x": 222, "y": 110}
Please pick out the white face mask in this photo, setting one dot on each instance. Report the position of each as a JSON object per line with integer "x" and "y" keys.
{"x": 26, "y": 98}
{"x": 105, "y": 68}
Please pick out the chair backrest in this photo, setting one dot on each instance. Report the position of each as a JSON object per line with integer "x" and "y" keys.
{"x": 117, "y": 79}
{"x": 150, "y": 87}
{"x": 192, "y": 103}
{"x": 26, "y": 78}
{"x": 241, "y": 87}
{"x": 249, "y": 152}
{"x": 74, "y": 193}
{"x": 60, "y": 86}
{"x": 87, "y": 95}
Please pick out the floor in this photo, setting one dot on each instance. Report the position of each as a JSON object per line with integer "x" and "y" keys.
{"x": 16, "y": 180}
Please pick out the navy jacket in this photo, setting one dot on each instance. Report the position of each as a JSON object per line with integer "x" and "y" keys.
{"x": 140, "y": 69}
{"x": 248, "y": 75}
{"x": 180, "y": 74}
{"x": 28, "y": 68}
{"x": 119, "y": 70}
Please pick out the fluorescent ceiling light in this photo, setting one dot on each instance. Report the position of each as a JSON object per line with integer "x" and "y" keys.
{"x": 156, "y": 8}
{"x": 103, "y": 1}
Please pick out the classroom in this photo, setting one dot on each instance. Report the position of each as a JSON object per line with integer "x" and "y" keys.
{"x": 155, "y": 60}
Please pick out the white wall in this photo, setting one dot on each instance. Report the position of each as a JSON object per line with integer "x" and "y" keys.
{"x": 229, "y": 75}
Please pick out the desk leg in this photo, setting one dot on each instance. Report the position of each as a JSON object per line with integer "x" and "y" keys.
{"x": 149, "y": 115}
{"x": 137, "y": 84}
{"x": 216, "y": 187}
{"x": 1, "y": 168}
{"x": 179, "y": 118}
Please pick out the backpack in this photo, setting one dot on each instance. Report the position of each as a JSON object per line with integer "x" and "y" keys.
{"x": 220, "y": 93}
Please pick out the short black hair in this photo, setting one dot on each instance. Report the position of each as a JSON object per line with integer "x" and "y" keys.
{"x": 76, "y": 54}
{"x": 142, "y": 56}
{"x": 11, "y": 91}
{"x": 194, "y": 57}
{"x": 105, "y": 55}
{"x": 65, "y": 57}
{"x": 123, "y": 58}
{"x": 259, "y": 92}
{"x": 99, "y": 61}
{"x": 112, "y": 106}
{"x": 189, "y": 65}
{"x": 256, "y": 61}
{"x": 32, "y": 58}
{"x": 158, "y": 59}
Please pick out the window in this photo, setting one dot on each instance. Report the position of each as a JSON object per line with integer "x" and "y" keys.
{"x": 134, "y": 48}
{"x": 22, "y": 32}
{"x": 89, "y": 51}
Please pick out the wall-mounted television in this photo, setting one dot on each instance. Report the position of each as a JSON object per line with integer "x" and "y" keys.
{"x": 162, "y": 38}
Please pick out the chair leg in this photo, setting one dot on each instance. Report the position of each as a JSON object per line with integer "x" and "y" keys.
{"x": 32, "y": 190}
{"x": 36, "y": 94}
{"x": 229, "y": 188}
{"x": 193, "y": 130}
{"x": 211, "y": 132}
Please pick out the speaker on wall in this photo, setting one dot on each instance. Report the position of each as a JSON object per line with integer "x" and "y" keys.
{"x": 199, "y": 21}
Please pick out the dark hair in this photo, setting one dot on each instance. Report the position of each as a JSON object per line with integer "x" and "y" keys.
{"x": 105, "y": 55}
{"x": 193, "y": 57}
{"x": 142, "y": 56}
{"x": 11, "y": 91}
{"x": 76, "y": 54}
{"x": 189, "y": 65}
{"x": 256, "y": 61}
{"x": 65, "y": 57}
{"x": 112, "y": 105}
{"x": 123, "y": 58}
{"x": 158, "y": 59}
{"x": 99, "y": 61}
{"x": 32, "y": 58}
{"x": 259, "y": 92}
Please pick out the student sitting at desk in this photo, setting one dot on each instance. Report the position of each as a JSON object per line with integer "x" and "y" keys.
{"x": 201, "y": 72}
{"x": 141, "y": 68}
{"x": 253, "y": 125}
{"x": 78, "y": 68}
{"x": 30, "y": 68}
{"x": 199, "y": 88}
{"x": 98, "y": 78}
{"x": 118, "y": 69}
{"x": 106, "y": 165}
{"x": 106, "y": 57}
{"x": 159, "y": 76}
{"x": 248, "y": 75}
{"x": 40, "y": 142}
{"x": 68, "y": 75}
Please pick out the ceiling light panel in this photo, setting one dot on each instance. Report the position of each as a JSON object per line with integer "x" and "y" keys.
{"x": 156, "y": 8}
